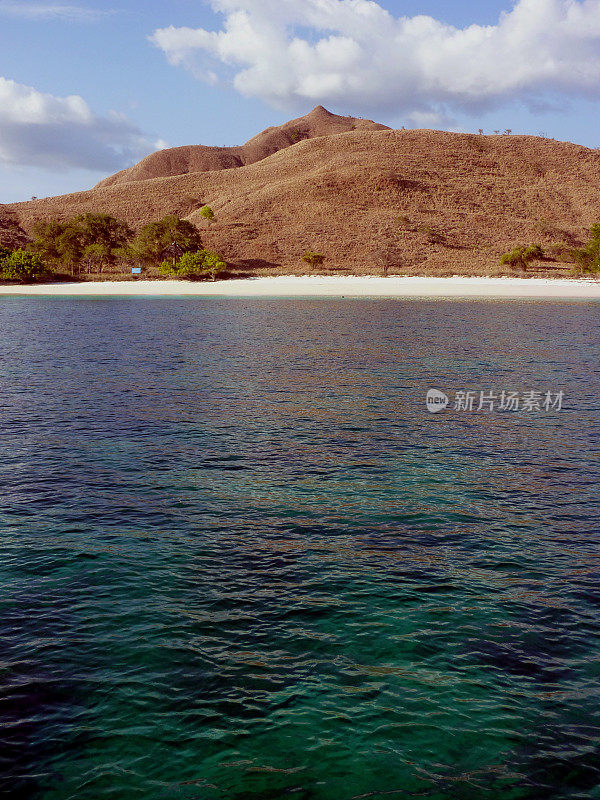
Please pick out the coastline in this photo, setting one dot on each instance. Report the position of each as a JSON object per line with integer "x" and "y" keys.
{"x": 327, "y": 286}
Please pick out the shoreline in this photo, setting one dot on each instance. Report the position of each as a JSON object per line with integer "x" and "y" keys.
{"x": 327, "y": 286}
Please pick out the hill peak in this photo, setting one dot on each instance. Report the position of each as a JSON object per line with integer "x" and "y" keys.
{"x": 318, "y": 110}
{"x": 200, "y": 158}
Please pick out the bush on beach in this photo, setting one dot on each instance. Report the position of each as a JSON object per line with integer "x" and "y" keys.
{"x": 521, "y": 257}
{"x": 201, "y": 264}
{"x": 313, "y": 259}
{"x": 587, "y": 259}
{"x": 23, "y": 266}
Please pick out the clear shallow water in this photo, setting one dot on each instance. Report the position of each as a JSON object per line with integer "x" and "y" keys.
{"x": 240, "y": 560}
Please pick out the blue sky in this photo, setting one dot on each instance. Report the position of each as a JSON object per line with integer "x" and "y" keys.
{"x": 142, "y": 74}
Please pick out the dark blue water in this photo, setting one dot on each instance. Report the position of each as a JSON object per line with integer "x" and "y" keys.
{"x": 240, "y": 559}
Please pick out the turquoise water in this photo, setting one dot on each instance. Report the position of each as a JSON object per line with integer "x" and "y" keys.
{"x": 239, "y": 559}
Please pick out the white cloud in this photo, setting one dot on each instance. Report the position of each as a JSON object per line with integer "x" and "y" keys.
{"x": 355, "y": 54}
{"x": 49, "y": 11}
{"x": 61, "y": 133}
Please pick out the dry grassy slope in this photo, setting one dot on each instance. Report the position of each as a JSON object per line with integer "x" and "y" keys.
{"x": 198, "y": 158}
{"x": 422, "y": 201}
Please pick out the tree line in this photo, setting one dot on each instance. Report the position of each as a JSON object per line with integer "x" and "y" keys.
{"x": 94, "y": 244}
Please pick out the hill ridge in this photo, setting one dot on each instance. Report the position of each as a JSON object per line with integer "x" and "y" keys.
{"x": 203, "y": 158}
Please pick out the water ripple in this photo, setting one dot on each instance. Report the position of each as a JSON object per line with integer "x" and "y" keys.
{"x": 240, "y": 560}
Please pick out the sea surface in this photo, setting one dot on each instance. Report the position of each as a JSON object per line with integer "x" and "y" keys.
{"x": 239, "y": 559}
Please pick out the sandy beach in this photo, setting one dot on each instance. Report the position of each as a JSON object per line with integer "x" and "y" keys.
{"x": 324, "y": 286}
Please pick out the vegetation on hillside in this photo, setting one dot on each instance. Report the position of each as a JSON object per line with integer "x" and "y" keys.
{"x": 586, "y": 259}
{"x": 207, "y": 213}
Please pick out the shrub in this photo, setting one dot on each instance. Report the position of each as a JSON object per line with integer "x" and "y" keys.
{"x": 207, "y": 213}
{"x": 201, "y": 264}
{"x": 521, "y": 257}
{"x": 23, "y": 266}
{"x": 514, "y": 258}
{"x": 533, "y": 253}
{"x": 313, "y": 259}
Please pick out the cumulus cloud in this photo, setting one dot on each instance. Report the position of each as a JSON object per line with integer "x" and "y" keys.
{"x": 49, "y": 11}
{"x": 59, "y": 133}
{"x": 354, "y": 53}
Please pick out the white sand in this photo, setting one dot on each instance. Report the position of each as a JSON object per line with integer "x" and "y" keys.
{"x": 321, "y": 286}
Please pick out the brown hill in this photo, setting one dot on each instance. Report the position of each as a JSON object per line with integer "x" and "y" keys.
{"x": 417, "y": 201}
{"x": 198, "y": 158}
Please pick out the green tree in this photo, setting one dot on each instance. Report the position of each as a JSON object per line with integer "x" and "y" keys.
{"x": 154, "y": 238}
{"x": 102, "y": 236}
{"x": 96, "y": 256}
{"x": 23, "y": 266}
{"x": 126, "y": 255}
{"x": 207, "y": 213}
{"x": 47, "y": 241}
{"x": 587, "y": 259}
{"x": 70, "y": 247}
{"x": 201, "y": 264}
{"x": 103, "y": 229}
{"x": 313, "y": 259}
{"x": 88, "y": 239}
